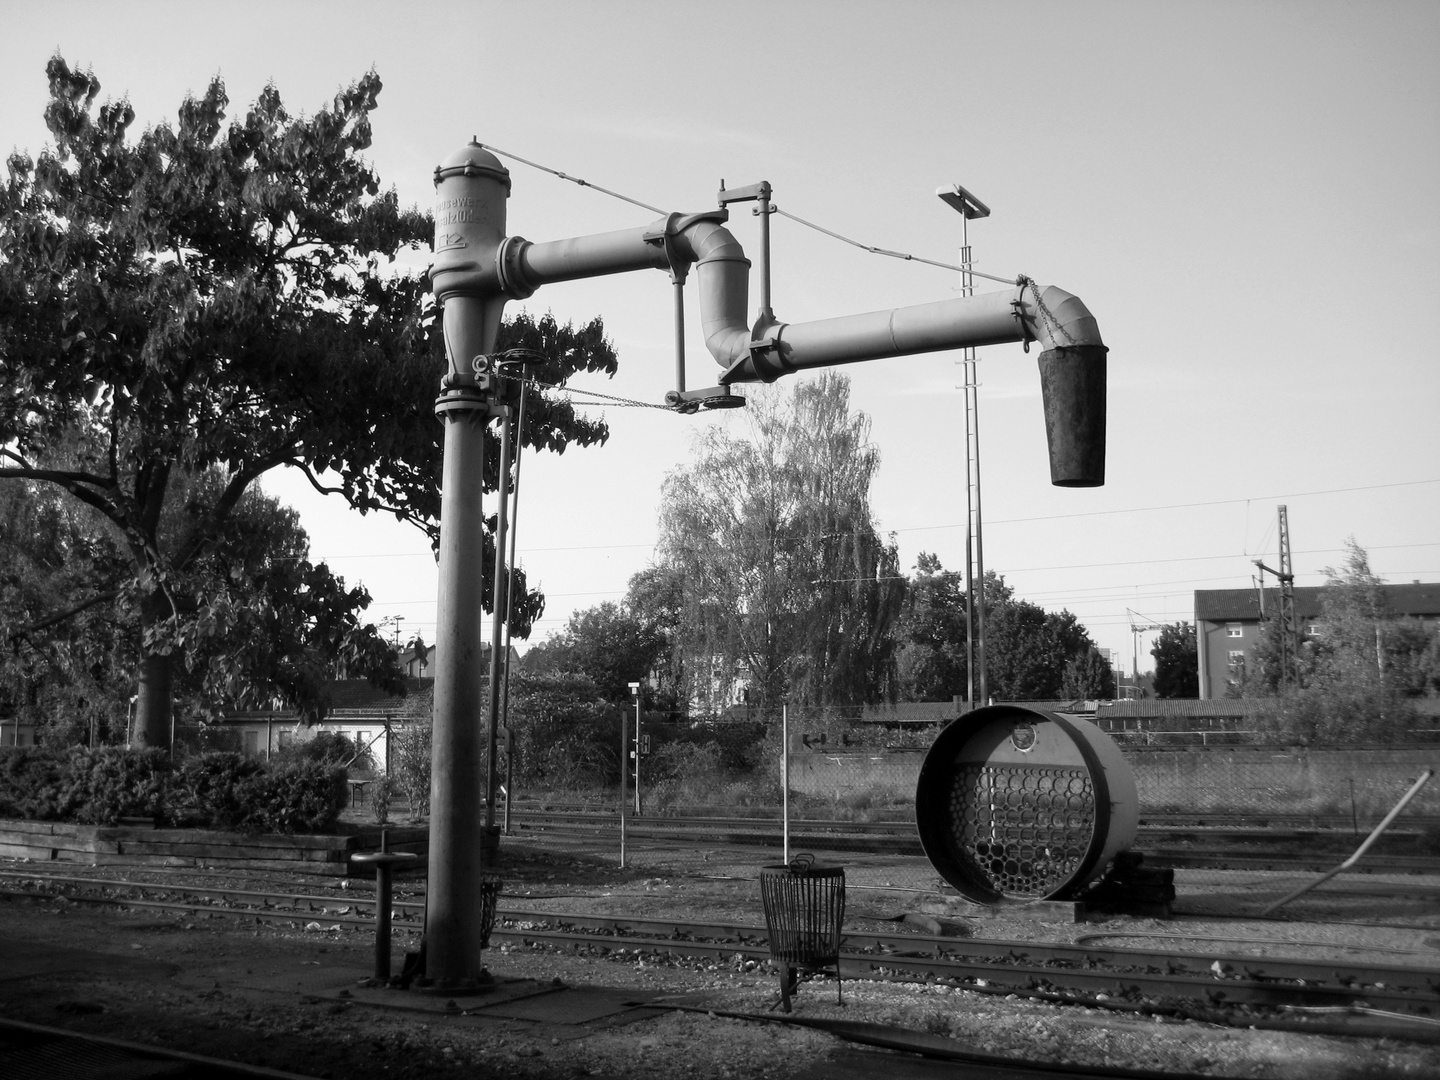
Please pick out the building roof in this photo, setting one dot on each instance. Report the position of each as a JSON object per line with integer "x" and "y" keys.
{"x": 352, "y": 698}
{"x": 1239, "y": 605}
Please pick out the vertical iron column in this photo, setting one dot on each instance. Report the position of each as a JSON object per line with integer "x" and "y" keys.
{"x": 471, "y": 188}
{"x": 452, "y": 935}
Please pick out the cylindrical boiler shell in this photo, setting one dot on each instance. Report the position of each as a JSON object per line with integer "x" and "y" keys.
{"x": 1015, "y": 804}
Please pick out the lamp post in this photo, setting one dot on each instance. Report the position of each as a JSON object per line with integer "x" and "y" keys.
{"x": 968, "y": 206}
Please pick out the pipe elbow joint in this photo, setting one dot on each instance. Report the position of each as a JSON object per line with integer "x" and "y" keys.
{"x": 1055, "y": 318}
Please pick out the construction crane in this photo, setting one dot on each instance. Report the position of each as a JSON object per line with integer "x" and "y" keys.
{"x": 1289, "y": 632}
{"x": 1136, "y": 629}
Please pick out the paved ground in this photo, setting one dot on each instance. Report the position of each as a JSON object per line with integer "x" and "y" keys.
{"x": 290, "y": 999}
{"x": 90, "y": 994}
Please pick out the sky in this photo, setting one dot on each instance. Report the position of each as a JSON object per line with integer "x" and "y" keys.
{"x": 1243, "y": 194}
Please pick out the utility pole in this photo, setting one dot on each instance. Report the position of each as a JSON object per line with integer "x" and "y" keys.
{"x": 1136, "y": 629}
{"x": 393, "y": 621}
{"x": 1289, "y": 632}
{"x": 968, "y": 206}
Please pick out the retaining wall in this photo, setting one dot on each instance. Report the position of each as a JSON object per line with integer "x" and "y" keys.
{"x": 144, "y": 845}
{"x": 1220, "y": 779}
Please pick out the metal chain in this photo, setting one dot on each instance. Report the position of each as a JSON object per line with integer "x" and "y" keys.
{"x": 1051, "y": 322}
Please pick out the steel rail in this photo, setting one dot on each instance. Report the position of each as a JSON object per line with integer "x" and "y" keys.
{"x": 996, "y": 965}
{"x": 898, "y": 839}
{"x": 1327, "y": 823}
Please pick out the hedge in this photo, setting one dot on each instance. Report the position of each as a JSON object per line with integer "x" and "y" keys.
{"x": 212, "y": 791}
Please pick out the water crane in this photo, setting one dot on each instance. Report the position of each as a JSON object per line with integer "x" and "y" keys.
{"x": 479, "y": 267}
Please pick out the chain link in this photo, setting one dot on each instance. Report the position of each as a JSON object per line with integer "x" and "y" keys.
{"x": 1051, "y": 322}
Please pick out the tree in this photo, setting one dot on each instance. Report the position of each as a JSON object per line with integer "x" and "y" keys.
{"x": 1177, "y": 662}
{"x": 608, "y": 646}
{"x": 655, "y": 597}
{"x": 266, "y": 621}
{"x": 62, "y": 651}
{"x": 788, "y": 589}
{"x": 932, "y": 633}
{"x": 1028, "y": 651}
{"x": 1088, "y": 675}
{"x": 218, "y": 301}
{"x": 1353, "y": 683}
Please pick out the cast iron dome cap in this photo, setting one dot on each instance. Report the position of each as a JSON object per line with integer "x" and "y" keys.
{"x": 472, "y": 159}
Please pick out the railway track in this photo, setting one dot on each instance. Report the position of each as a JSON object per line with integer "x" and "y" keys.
{"x": 1215, "y": 984}
{"x": 1221, "y": 846}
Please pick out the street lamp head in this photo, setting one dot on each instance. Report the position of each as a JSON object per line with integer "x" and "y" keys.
{"x": 957, "y": 198}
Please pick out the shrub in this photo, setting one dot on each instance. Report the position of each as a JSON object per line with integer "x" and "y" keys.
{"x": 330, "y": 748}
{"x": 410, "y": 760}
{"x": 35, "y": 784}
{"x": 294, "y": 797}
{"x": 222, "y": 790}
{"x": 383, "y": 791}
{"x": 111, "y": 783}
{"x": 212, "y": 791}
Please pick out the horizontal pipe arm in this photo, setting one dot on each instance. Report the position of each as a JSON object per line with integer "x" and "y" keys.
{"x": 1056, "y": 320}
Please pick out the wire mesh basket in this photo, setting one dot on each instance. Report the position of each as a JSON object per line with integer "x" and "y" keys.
{"x": 804, "y": 909}
{"x": 489, "y": 898}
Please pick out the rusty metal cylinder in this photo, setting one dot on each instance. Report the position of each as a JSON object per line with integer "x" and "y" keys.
{"x": 471, "y": 187}
{"x": 1015, "y": 805}
{"x": 1072, "y": 385}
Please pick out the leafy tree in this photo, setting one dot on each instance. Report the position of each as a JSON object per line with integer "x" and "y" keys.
{"x": 1177, "y": 662}
{"x": 63, "y": 645}
{"x": 788, "y": 589}
{"x": 656, "y": 598}
{"x": 215, "y": 301}
{"x": 1088, "y": 675}
{"x": 608, "y": 646}
{"x": 1351, "y": 688}
{"x": 932, "y": 633}
{"x": 565, "y": 735}
{"x": 1028, "y": 650}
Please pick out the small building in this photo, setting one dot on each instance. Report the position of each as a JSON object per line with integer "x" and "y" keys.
{"x": 1228, "y": 624}
{"x": 359, "y": 711}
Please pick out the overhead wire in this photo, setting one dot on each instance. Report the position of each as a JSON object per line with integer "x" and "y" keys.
{"x": 1016, "y": 280}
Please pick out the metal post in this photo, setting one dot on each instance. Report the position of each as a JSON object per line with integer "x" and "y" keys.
{"x": 384, "y": 862}
{"x": 968, "y": 206}
{"x": 785, "y": 780}
{"x": 974, "y": 519}
{"x": 510, "y": 607}
{"x": 1375, "y": 835}
{"x": 497, "y": 621}
{"x": 679, "y": 333}
{"x": 452, "y": 933}
{"x": 638, "y": 809}
{"x": 624, "y": 774}
{"x": 471, "y": 187}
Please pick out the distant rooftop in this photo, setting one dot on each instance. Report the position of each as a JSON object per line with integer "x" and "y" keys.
{"x": 1220, "y": 605}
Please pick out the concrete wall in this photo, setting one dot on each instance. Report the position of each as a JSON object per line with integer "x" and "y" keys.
{"x": 1214, "y": 780}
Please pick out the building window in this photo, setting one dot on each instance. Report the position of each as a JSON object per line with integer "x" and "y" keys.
{"x": 1237, "y": 658}
{"x": 1234, "y": 629}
